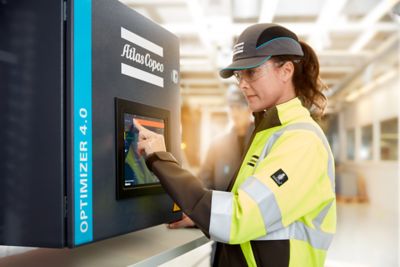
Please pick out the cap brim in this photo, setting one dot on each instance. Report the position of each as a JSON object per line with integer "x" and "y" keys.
{"x": 242, "y": 64}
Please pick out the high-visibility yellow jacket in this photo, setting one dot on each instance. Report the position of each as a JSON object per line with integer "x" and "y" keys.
{"x": 280, "y": 209}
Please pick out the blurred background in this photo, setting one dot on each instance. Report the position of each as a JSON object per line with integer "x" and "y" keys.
{"x": 357, "y": 42}
{"x": 358, "y": 45}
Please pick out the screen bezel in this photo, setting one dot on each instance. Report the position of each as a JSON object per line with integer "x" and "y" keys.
{"x": 134, "y": 108}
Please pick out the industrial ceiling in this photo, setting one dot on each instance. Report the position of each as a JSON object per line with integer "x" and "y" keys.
{"x": 357, "y": 41}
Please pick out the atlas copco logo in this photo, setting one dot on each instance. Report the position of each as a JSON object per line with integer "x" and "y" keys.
{"x": 153, "y": 68}
{"x": 130, "y": 53}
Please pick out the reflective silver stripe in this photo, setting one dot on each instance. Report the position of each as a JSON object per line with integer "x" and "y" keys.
{"x": 269, "y": 144}
{"x": 321, "y": 216}
{"x": 301, "y": 126}
{"x": 221, "y": 214}
{"x": 297, "y": 230}
{"x": 271, "y": 213}
{"x": 266, "y": 202}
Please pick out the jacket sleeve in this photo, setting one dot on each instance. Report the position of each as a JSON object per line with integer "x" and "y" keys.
{"x": 184, "y": 188}
{"x": 288, "y": 184}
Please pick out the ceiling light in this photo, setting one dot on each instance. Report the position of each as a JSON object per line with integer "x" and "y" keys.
{"x": 246, "y": 10}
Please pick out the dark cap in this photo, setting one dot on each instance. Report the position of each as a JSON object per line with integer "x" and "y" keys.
{"x": 258, "y": 43}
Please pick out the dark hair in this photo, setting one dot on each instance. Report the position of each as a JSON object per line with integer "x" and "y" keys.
{"x": 307, "y": 83}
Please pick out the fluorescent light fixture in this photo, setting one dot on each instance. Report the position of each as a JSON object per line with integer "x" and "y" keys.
{"x": 374, "y": 16}
{"x": 248, "y": 9}
{"x": 362, "y": 41}
{"x": 268, "y": 9}
{"x": 319, "y": 39}
{"x": 377, "y": 82}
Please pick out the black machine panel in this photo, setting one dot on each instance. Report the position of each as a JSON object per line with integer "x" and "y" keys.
{"x": 136, "y": 60}
{"x": 64, "y": 67}
{"x": 32, "y": 123}
{"x": 133, "y": 177}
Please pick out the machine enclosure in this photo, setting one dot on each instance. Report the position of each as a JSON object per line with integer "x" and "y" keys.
{"x": 62, "y": 67}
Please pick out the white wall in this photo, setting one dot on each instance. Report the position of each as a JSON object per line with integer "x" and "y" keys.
{"x": 382, "y": 103}
{"x": 382, "y": 177}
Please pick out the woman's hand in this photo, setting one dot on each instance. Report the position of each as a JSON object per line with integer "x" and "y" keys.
{"x": 185, "y": 222}
{"x": 149, "y": 142}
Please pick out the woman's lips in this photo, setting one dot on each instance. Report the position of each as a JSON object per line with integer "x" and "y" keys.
{"x": 250, "y": 97}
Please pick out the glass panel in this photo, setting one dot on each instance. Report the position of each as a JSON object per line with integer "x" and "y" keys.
{"x": 389, "y": 139}
{"x": 366, "y": 143}
{"x": 350, "y": 143}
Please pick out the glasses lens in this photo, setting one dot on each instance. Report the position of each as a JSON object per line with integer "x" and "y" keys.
{"x": 237, "y": 76}
{"x": 250, "y": 75}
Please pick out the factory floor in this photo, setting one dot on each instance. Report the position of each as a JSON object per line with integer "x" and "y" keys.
{"x": 366, "y": 236}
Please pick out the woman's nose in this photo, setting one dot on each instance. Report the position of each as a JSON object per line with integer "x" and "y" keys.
{"x": 243, "y": 85}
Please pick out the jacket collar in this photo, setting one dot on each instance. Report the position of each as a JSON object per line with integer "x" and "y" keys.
{"x": 281, "y": 114}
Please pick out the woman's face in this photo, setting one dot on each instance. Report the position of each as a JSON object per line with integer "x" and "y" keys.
{"x": 271, "y": 88}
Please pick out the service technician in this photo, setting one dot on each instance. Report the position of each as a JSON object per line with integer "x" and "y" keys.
{"x": 280, "y": 207}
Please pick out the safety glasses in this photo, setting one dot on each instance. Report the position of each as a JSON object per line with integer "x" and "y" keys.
{"x": 251, "y": 75}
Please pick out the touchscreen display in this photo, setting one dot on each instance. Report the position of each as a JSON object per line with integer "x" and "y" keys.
{"x": 135, "y": 170}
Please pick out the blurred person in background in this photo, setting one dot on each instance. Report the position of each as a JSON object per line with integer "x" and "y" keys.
{"x": 280, "y": 208}
{"x": 225, "y": 152}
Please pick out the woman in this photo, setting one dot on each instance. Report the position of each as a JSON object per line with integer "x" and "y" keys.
{"x": 280, "y": 208}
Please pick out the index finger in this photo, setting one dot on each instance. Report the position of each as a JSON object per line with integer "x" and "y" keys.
{"x": 137, "y": 124}
{"x": 143, "y": 132}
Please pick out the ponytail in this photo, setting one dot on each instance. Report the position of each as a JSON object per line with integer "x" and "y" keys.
{"x": 307, "y": 83}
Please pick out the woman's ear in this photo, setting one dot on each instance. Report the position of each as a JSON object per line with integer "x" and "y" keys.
{"x": 286, "y": 71}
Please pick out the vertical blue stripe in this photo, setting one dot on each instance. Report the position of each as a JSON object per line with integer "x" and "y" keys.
{"x": 82, "y": 75}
